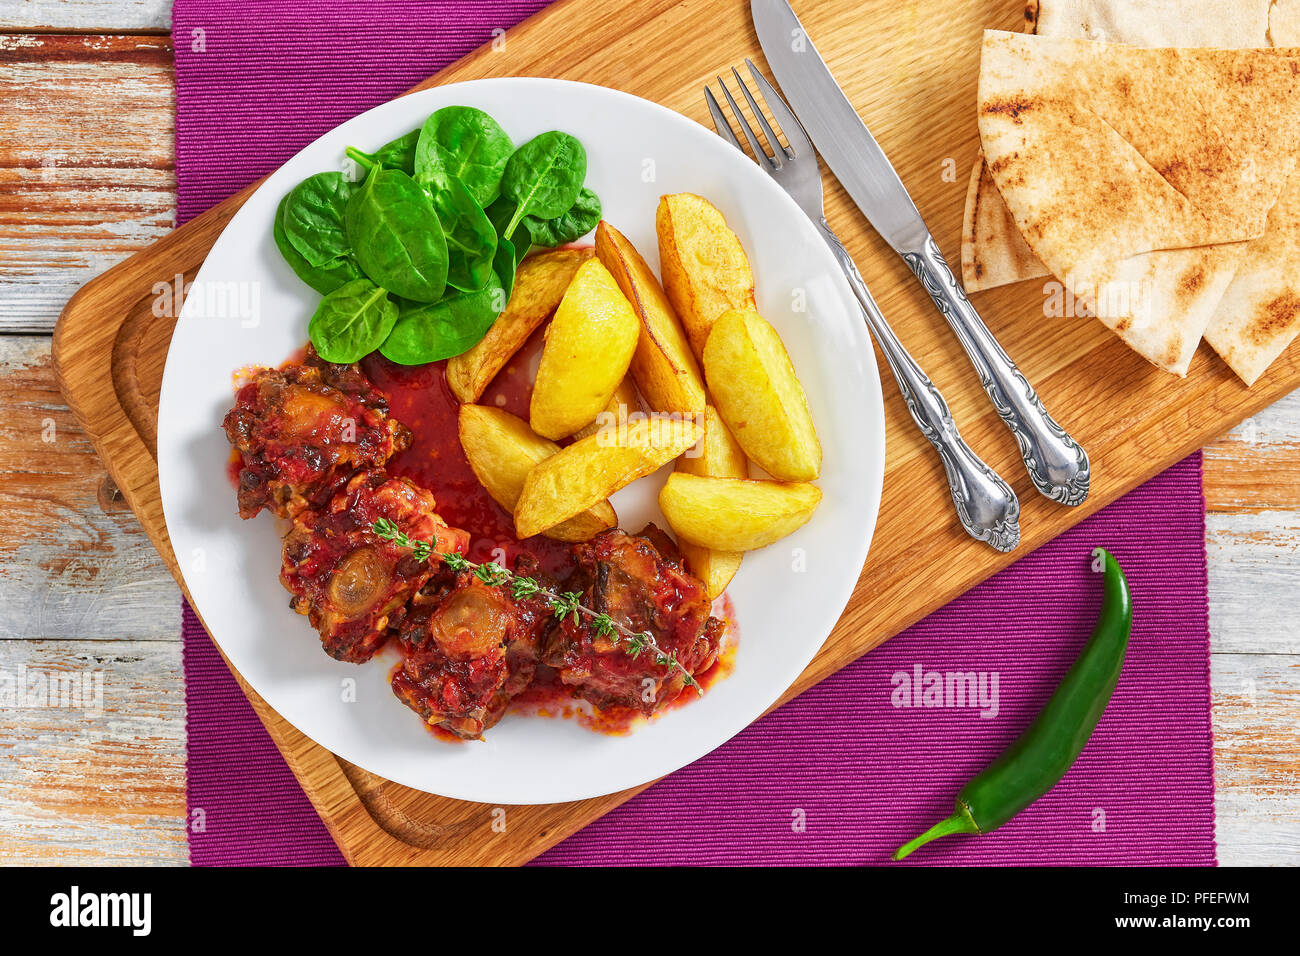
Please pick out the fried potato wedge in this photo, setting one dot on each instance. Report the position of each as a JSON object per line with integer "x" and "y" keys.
{"x": 593, "y": 468}
{"x": 704, "y": 268}
{"x": 539, "y": 286}
{"x": 589, "y": 346}
{"x": 758, "y": 395}
{"x": 502, "y": 449}
{"x": 735, "y": 514}
{"x": 623, "y": 405}
{"x": 664, "y": 367}
{"x": 716, "y": 455}
{"x": 715, "y": 569}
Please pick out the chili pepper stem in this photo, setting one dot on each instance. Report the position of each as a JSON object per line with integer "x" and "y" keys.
{"x": 960, "y": 822}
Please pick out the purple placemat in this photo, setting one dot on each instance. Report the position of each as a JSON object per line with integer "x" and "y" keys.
{"x": 846, "y": 771}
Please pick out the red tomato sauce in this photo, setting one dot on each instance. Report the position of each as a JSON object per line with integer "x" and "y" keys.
{"x": 233, "y": 467}
{"x": 419, "y": 398}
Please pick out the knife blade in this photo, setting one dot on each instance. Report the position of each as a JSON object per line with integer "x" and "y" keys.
{"x": 835, "y": 127}
{"x": 1057, "y": 464}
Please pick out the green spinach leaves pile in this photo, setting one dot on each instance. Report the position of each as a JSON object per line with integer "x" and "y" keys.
{"x": 418, "y": 258}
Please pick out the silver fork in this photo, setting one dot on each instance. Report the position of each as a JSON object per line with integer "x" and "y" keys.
{"x": 986, "y": 505}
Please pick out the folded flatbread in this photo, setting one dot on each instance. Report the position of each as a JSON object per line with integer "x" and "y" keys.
{"x": 1258, "y": 314}
{"x": 1226, "y": 24}
{"x": 993, "y": 252}
{"x": 1138, "y": 175}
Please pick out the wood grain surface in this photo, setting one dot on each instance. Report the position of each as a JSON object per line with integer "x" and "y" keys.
{"x": 87, "y": 182}
{"x": 125, "y": 799}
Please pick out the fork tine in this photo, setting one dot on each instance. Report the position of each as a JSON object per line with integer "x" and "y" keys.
{"x": 720, "y": 121}
{"x": 760, "y": 155}
{"x": 778, "y": 151}
{"x": 795, "y": 135}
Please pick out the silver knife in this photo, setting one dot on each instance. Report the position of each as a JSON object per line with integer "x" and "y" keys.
{"x": 1057, "y": 465}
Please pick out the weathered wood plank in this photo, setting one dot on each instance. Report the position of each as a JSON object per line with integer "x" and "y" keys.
{"x": 1254, "y": 576}
{"x": 89, "y": 16}
{"x": 70, "y": 566}
{"x": 1252, "y": 498}
{"x": 87, "y": 168}
{"x": 1256, "y": 466}
{"x": 102, "y": 782}
{"x": 1257, "y": 758}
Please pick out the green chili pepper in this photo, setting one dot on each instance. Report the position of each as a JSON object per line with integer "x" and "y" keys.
{"x": 1041, "y": 755}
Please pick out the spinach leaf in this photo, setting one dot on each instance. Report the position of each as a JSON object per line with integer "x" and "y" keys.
{"x": 398, "y": 154}
{"x": 582, "y": 217}
{"x": 465, "y": 143}
{"x": 324, "y": 278}
{"x": 396, "y": 236}
{"x": 543, "y": 177}
{"x": 313, "y": 217}
{"x": 510, "y": 252}
{"x": 504, "y": 264}
{"x": 427, "y": 333}
{"x": 499, "y": 214}
{"x": 352, "y": 321}
{"x": 471, "y": 238}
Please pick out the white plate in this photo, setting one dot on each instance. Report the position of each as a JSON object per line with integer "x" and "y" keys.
{"x": 786, "y": 597}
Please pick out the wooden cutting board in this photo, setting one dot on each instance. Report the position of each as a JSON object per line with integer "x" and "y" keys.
{"x": 910, "y": 68}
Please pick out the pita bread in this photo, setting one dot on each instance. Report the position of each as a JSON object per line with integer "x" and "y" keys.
{"x": 1226, "y": 24}
{"x": 993, "y": 252}
{"x": 1256, "y": 319}
{"x": 1259, "y": 314}
{"x": 1104, "y": 154}
{"x": 992, "y": 249}
{"x": 1283, "y": 24}
{"x": 1193, "y": 280}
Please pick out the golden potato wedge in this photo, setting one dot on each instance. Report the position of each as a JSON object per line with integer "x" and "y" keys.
{"x": 735, "y": 514}
{"x": 759, "y": 396}
{"x": 502, "y": 449}
{"x": 539, "y": 285}
{"x": 704, "y": 268}
{"x": 716, "y": 455}
{"x": 624, "y": 404}
{"x": 589, "y": 346}
{"x": 664, "y": 367}
{"x": 593, "y": 468}
{"x": 715, "y": 569}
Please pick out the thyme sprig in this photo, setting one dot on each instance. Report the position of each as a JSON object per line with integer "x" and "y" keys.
{"x": 563, "y": 604}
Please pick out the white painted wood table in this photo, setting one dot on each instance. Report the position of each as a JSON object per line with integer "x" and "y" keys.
{"x": 86, "y": 177}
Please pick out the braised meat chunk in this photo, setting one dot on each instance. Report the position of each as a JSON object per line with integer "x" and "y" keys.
{"x": 468, "y": 649}
{"x": 303, "y": 430}
{"x": 352, "y": 584}
{"x": 640, "y": 582}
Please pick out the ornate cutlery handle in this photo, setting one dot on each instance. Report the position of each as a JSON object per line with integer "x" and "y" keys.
{"x": 1057, "y": 464}
{"x": 986, "y": 505}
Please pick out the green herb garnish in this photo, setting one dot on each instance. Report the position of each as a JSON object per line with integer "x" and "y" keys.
{"x": 563, "y": 605}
